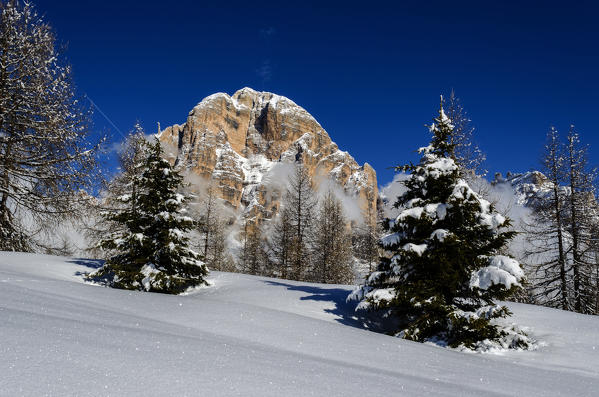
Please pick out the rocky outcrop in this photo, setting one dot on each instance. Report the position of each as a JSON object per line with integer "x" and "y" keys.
{"x": 236, "y": 140}
{"x": 528, "y": 186}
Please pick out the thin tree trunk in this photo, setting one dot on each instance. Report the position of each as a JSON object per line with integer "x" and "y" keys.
{"x": 560, "y": 243}
{"x": 575, "y": 248}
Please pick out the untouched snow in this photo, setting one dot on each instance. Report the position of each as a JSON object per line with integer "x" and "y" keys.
{"x": 253, "y": 336}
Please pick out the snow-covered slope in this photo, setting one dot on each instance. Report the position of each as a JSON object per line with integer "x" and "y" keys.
{"x": 252, "y": 336}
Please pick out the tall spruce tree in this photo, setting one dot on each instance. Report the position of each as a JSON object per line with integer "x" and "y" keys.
{"x": 153, "y": 253}
{"x": 444, "y": 271}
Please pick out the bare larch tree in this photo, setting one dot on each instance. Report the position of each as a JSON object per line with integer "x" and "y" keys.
{"x": 332, "y": 250}
{"x": 44, "y": 156}
{"x": 465, "y": 152}
{"x": 120, "y": 191}
{"x": 582, "y": 205}
{"x": 549, "y": 275}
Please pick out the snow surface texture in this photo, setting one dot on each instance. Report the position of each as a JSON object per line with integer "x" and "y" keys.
{"x": 253, "y": 336}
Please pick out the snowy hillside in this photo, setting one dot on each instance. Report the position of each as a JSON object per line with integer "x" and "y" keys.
{"x": 252, "y": 336}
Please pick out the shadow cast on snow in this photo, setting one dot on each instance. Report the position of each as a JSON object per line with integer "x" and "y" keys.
{"x": 92, "y": 264}
{"x": 345, "y": 311}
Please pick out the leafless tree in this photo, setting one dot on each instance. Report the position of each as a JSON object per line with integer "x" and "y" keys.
{"x": 367, "y": 235}
{"x": 208, "y": 221}
{"x": 252, "y": 258}
{"x": 545, "y": 234}
{"x": 332, "y": 253}
{"x": 279, "y": 246}
{"x": 466, "y": 153}
{"x": 562, "y": 236}
{"x": 45, "y": 159}
{"x": 124, "y": 185}
{"x": 582, "y": 213}
{"x": 298, "y": 208}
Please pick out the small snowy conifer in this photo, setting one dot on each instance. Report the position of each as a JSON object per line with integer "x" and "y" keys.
{"x": 153, "y": 253}
{"x": 444, "y": 270}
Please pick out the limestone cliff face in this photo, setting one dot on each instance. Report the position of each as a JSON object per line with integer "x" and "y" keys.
{"x": 236, "y": 140}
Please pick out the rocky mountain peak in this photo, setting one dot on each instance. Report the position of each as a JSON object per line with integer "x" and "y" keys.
{"x": 236, "y": 141}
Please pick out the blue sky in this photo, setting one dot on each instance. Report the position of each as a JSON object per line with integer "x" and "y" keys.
{"x": 369, "y": 72}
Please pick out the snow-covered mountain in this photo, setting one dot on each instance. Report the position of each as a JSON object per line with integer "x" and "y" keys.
{"x": 527, "y": 186}
{"x": 253, "y": 336}
{"x": 246, "y": 142}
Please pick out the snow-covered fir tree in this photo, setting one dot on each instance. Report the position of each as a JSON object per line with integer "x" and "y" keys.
{"x": 444, "y": 271}
{"x": 153, "y": 253}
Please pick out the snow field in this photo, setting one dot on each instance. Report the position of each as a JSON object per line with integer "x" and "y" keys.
{"x": 253, "y": 336}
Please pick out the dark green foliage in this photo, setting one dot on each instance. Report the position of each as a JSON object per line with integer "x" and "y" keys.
{"x": 153, "y": 253}
{"x": 443, "y": 271}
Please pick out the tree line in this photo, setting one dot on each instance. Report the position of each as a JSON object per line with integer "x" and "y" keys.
{"x": 310, "y": 239}
{"x": 430, "y": 269}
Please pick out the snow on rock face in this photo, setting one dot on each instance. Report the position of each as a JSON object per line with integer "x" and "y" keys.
{"x": 235, "y": 140}
{"x": 528, "y": 186}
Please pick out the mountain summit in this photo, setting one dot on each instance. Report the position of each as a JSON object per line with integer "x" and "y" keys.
{"x": 237, "y": 141}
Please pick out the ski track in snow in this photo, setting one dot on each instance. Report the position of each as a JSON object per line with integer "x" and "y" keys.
{"x": 253, "y": 336}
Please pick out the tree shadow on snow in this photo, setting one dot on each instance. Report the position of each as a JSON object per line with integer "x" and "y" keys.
{"x": 91, "y": 264}
{"x": 345, "y": 311}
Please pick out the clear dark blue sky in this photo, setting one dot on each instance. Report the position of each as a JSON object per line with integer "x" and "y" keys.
{"x": 370, "y": 72}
